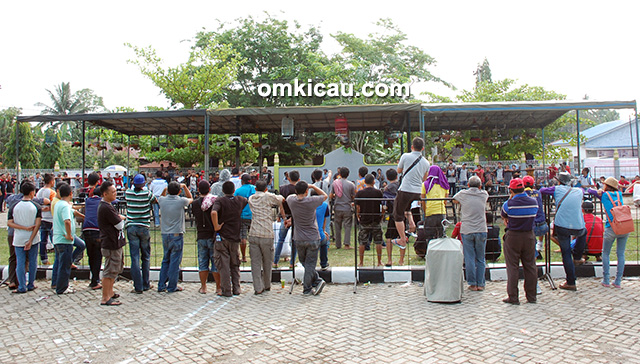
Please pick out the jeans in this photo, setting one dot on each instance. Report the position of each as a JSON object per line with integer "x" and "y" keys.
{"x": 156, "y": 213}
{"x": 21, "y": 256}
{"x": 308, "y": 251}
{"x": 46, "y": 235}
{"x": 205, "y": 256}
{"x": 324, "y": 252}
{"x": 170, "y": 268}
{"x": 79, "y": 246}
{"x": 607, "y": 244}
{"x": 564, "y": 238}
{"x": 92, "y": 240}
{"x": 139, "y": 247}
{"x": 62, "y": 267}
{"x": 473, "y": 247}
{"x": 281, "y": 237}
{"x": 340, "y": 219}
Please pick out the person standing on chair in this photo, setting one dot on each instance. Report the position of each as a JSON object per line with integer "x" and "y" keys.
{"x": 414, "y": 169}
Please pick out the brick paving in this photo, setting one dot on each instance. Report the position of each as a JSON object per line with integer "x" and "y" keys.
{"x": 382, "y": 323}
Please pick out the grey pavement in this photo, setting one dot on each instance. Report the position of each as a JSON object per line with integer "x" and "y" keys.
{"x": 381, "y": 323}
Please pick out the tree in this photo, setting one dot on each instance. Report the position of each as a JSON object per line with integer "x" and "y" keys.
{"x": 504, "y": 144}
{"x": 7, "y": 119}
{"x": 29, "y": 156}
{"x": 382, "y": 58}
{"x": 64, "y": 102}
{"x": 51, "y": 149}
{"x": 274, "y": 51}
{"x": 197, "y": 83}
{"x": 483, "y": 72}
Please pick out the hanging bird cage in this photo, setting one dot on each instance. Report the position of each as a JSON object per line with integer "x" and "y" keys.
{"x": 288, "y": 127}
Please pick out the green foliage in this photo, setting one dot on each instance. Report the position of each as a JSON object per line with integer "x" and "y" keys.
{"x": 275, "y": 51}
{"x": 197, "y": 83}
{"x": 483, "y": 72}
{"x": 51, "y": 149}
{"x": 502, "y": 143}
{"x": 29, "y": 155}
{"x": 64, "y": 102}
{"x": 7, "y": 124}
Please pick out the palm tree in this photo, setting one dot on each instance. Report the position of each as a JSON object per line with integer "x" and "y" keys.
{"x": 63, "y": 102}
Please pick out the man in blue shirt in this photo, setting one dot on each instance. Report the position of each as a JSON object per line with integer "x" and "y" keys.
{"x": 246, "y": 190}
{"x": 568, "y": 222}
{"x": 519, "y": 213}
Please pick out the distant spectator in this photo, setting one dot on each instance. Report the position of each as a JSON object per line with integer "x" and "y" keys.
{"x": 157, "y": 186}
{"x": 369, "y": 214}
{"x": 246, "y": 190}
{"x": 216, "y": 188}
{"x": 343, "y": 193}
{"x": 623, "y": 184}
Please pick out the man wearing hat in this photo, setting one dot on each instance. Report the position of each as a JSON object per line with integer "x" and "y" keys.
{"x": 568, "y": 222}
{"x": 139, "y": 200}
{"x": 519, "y": 213}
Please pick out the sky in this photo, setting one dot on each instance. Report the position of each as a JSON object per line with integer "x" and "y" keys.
{"x": 576, "y": 48}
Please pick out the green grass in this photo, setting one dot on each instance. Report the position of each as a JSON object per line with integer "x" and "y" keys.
{"x": 337, "y": 257}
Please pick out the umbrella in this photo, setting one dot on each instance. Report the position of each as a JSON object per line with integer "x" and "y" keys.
{"x": 113, "y": 169}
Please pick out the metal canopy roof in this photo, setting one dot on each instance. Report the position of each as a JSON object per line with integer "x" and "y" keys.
{"x": 437, "y": 117}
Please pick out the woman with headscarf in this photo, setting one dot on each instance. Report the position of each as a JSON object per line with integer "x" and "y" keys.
{"x": 435, "y": 187}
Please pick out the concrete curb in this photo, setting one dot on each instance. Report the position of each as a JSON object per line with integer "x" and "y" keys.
{"x": 494, "y": 272}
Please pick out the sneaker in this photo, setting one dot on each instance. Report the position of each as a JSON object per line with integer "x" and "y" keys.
{"x": 325, "y": 267}
{"x": 69, "y": 291}
{"x": 308, "y": 293}
{"x": 538, "y": 289}
{"x": 45, "y": 262}
{"x": 319, "y": 287}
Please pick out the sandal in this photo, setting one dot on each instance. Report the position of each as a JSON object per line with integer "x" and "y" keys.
{"x": 202, "y": 291}
{"x": 395, "y": 242}
{"x": 111, "y": 302}
{"x": 115, "y": 295}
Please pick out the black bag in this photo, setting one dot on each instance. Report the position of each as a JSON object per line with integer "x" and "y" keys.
{"x": 493, "y": 248}
{"x": 430, "y": 228}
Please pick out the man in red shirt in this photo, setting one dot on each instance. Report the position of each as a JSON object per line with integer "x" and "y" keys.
{"x": 553, "y": 170}
{"x": 595, "y": 232}
{"x": 623, "y": 183}
{"x": 480, "y": 173}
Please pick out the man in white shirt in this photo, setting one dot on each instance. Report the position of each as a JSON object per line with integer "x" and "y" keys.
{"x": 157, "y": 186}
{"x": 414, "y": 169}
{"x": 24, "y": 218}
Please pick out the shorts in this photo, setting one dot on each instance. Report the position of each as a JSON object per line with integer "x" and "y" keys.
{"x": 541, "y": 230}
{"x": 392, "y": 232}
{"x": 245, "y": 225}
{"x": 402, "y": 204}
{"x": 205, "y": 256}
{"x": 370, "y": 233}
{"x": 113, "y": 262}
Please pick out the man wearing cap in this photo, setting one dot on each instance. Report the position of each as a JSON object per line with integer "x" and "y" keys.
{"x": 139, "y": 200}
{"x": 246, "y": 190}
{"x": 519, "y": 213}
{"x": 540, "y": 227}
{"x": 568, "y": 222}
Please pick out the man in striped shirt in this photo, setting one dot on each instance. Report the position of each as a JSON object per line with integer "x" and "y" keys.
{"x": 519, "y": 213}
{"x": 139, "y": 200}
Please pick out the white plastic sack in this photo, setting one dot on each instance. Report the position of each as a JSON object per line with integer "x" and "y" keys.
{"x": 636, "y": 195}
{"x": 286, "y": 247}
{"x": 443, "y": 275}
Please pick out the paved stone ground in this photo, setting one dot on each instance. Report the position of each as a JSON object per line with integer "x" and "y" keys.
{"x": 382, "y": 323}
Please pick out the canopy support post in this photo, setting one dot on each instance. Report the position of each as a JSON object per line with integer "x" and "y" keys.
{"x": 579, "y": 170}
{"x": 128, "y": 162}
{"x": 408, "y": 118}
{"x": 635, "y": 110}
{"x": 421, "y": 117}
{"x": 84, "y": 158}
{"x": 544, "y": 167}
{"x": 206, "y": 146}
{"x": 18, "y": 150}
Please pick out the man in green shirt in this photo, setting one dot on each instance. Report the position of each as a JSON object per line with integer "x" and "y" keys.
{"x": 63, "y": 236}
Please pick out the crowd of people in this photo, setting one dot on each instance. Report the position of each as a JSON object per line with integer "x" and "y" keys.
{"x": 233, "y": 210}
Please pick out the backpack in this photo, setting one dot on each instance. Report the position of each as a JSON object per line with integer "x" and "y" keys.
{"x": 621, "y": 220}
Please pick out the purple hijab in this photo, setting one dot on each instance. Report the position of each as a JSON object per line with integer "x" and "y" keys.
{"x": 436, "y": 176}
